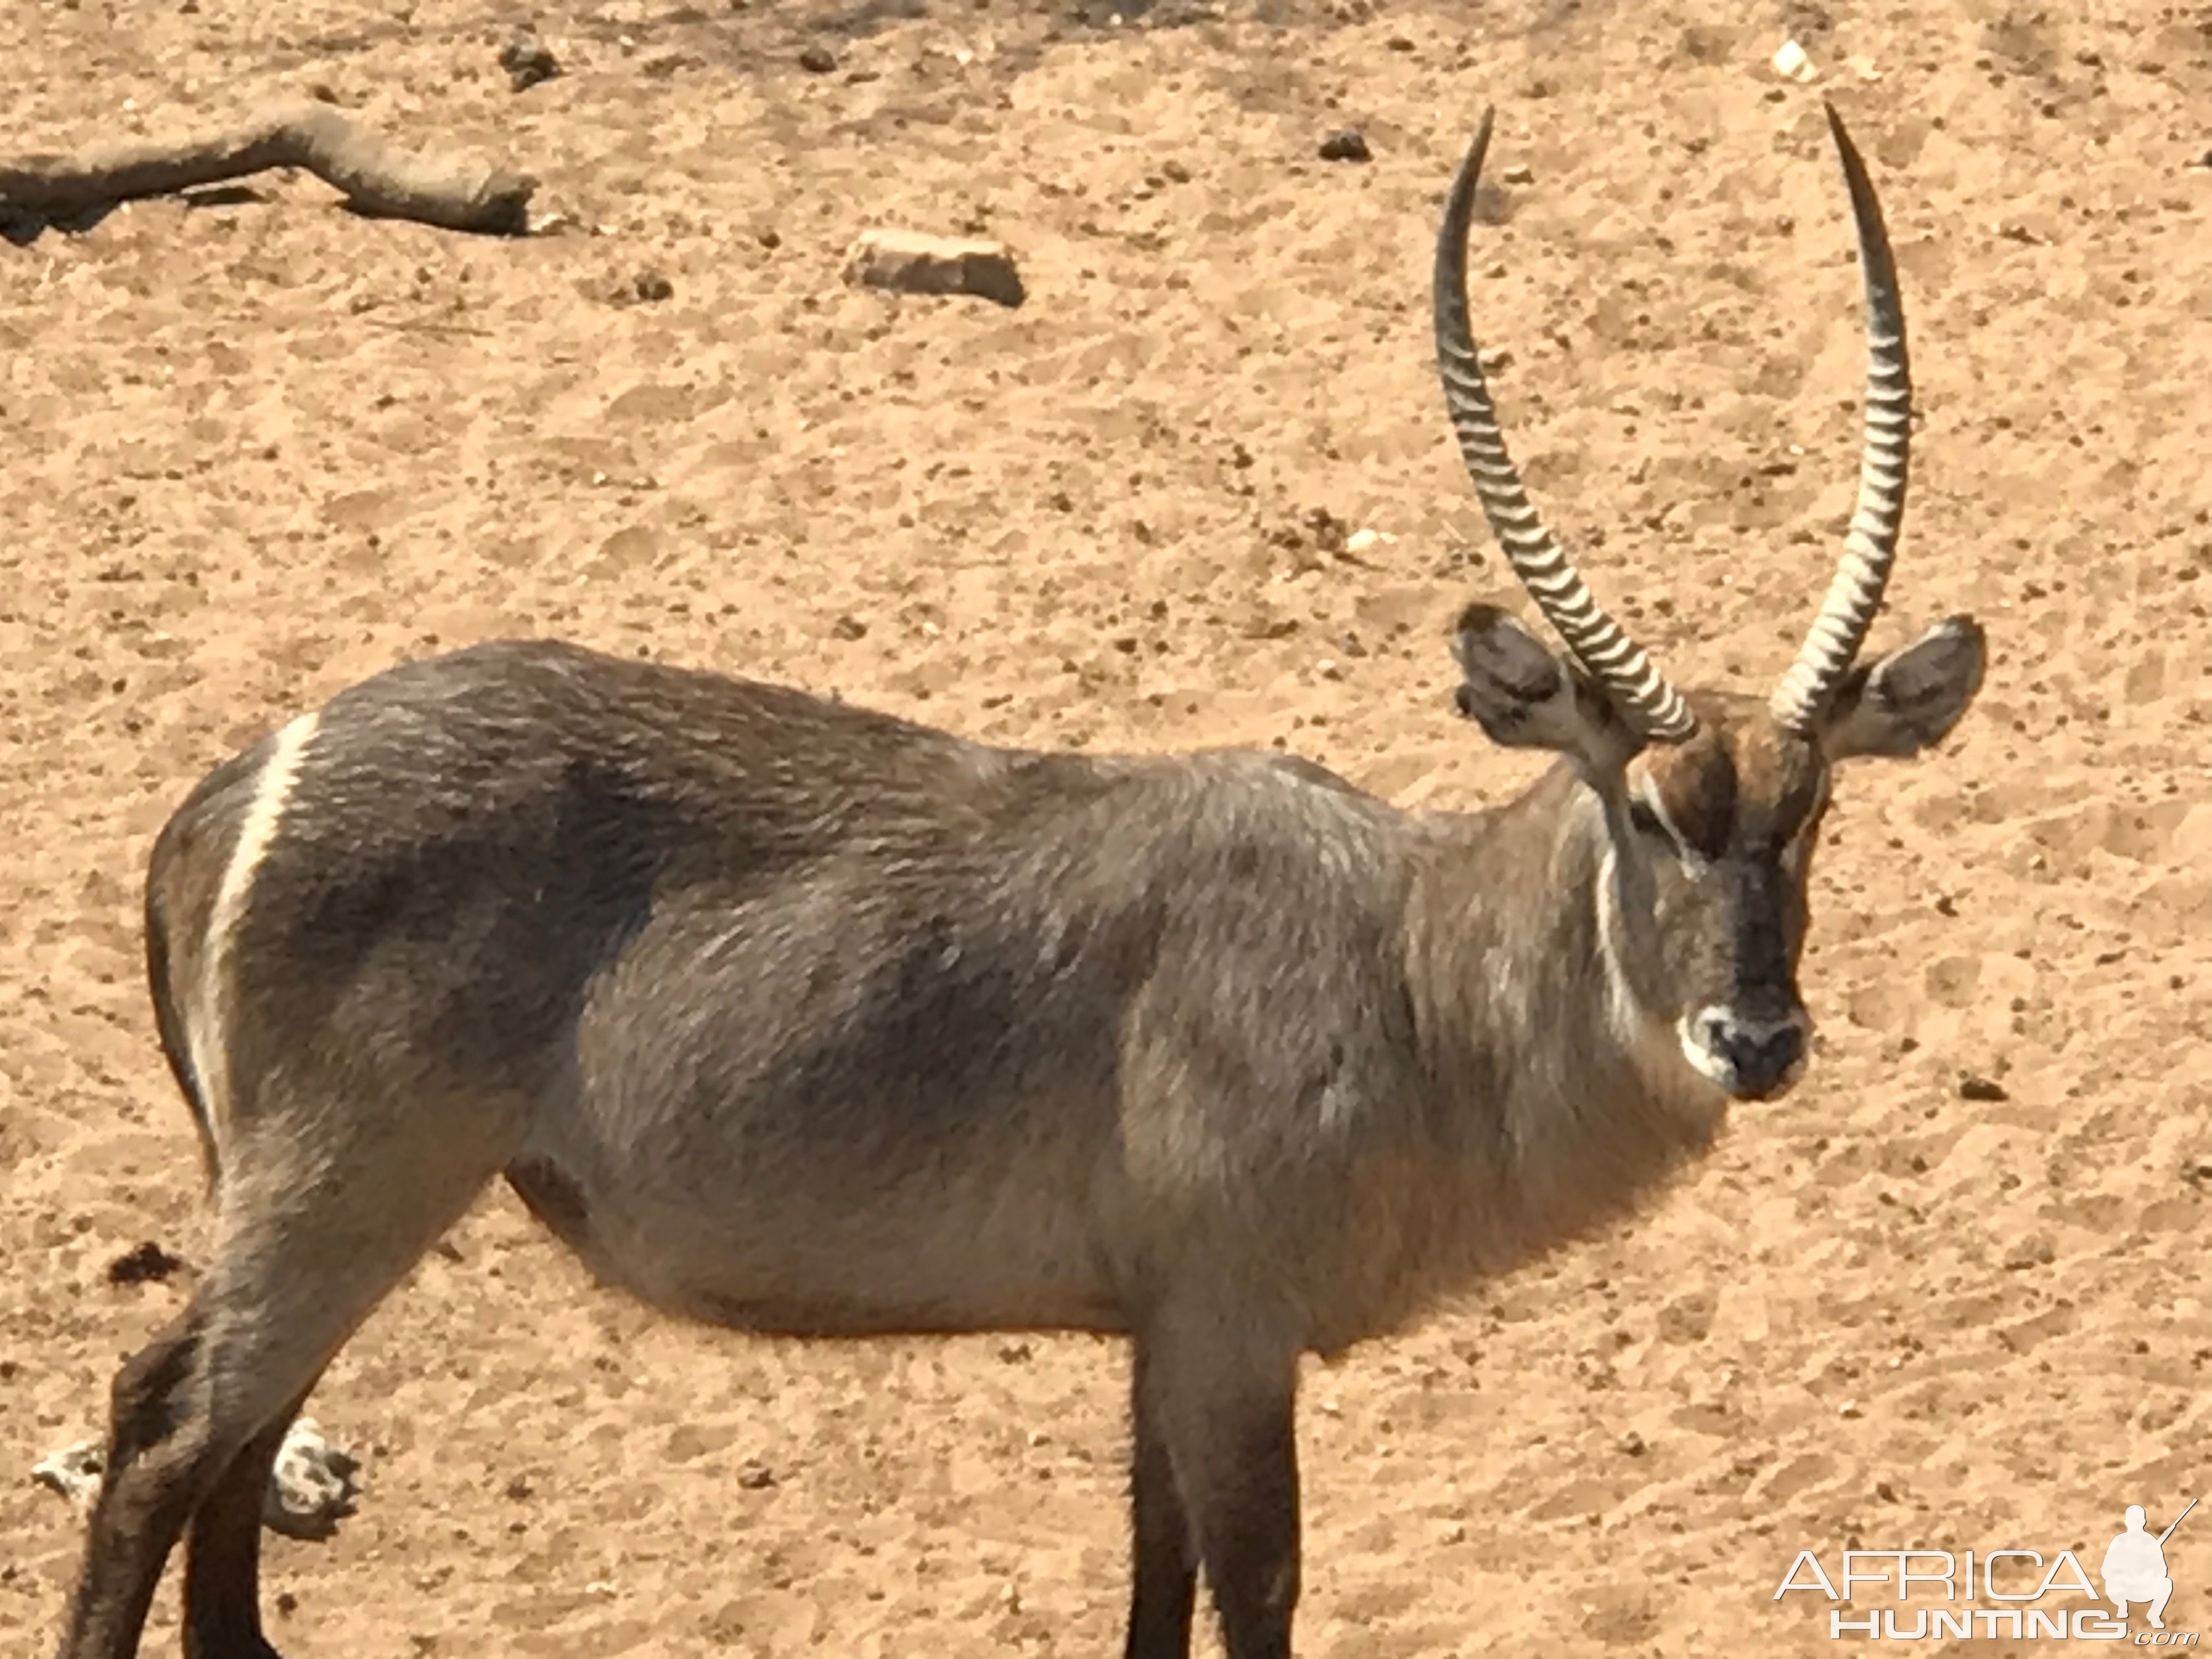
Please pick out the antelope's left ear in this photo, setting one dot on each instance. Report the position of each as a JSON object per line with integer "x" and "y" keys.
{"x": 1911, "y": 698}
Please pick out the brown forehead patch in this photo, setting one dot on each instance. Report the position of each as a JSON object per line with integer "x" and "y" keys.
{"x": 1777, "y": 780}
{"x": 1740, "y": 779}
{"x": 1696, "y": 785}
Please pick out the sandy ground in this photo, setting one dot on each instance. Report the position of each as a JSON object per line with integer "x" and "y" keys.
{"x": 259, "y": 449}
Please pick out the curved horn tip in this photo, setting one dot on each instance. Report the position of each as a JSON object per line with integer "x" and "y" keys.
{"x": 1843, "y": 134}
{"x": 1478, "y": 146}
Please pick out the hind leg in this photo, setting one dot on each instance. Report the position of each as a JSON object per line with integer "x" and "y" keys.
{"x": 308, "y": 1241}
{"x": 222, "y": 1553}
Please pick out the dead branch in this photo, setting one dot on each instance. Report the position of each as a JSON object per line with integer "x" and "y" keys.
{"x": 375, "y": 176}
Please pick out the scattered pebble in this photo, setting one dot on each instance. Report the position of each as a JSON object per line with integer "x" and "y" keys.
{"x": 1973, "y": 1087}
{"x": 149, "y": 1264}
{"x": 909, "y": 262}
{"x": 849, "y": 627}
{"x": 1518, "y": 173}
{"x": 1349, "y": 145}
{"x": 1632, "y": 1444}
{"x": 755, "y": 1476}
{"x": 2036, "y": 1252}
{"x": 652, "y": 287}
{"x": 312, "y": 1488}
{"x": 527, "y": 60}
{"x": 817, "y": 60}
{"x": 73, "y": 1471}
{"x": 1791, "y": 63}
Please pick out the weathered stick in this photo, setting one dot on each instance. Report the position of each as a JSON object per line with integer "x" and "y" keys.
{"x": 375, "y": 176}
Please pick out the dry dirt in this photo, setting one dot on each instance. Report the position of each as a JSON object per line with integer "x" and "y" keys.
{"x": 256, "y": 449}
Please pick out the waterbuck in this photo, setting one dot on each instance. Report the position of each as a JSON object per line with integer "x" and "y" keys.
{"x": 792, "y": 1017}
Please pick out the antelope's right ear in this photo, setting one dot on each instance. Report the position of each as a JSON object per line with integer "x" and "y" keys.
{"x": 1524, "y": 697}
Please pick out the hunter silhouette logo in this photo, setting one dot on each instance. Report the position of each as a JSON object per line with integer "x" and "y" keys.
{"x": 2135, "y": 1567}
{"x": 2021, "y": 1592}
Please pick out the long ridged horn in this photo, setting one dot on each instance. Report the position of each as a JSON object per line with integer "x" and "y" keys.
{"x": 1638, "y": 689}
{"x": 1870, "y": 546}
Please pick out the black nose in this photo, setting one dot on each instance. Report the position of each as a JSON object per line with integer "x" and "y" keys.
{"x": 1762, "y": 1053}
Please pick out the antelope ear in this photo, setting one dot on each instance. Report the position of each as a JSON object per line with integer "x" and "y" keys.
{"x": 1524, "y": 697}
{"x": 1911, "y": 698}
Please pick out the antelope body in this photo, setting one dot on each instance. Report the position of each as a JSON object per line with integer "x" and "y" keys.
{"x": 791, "y": 1016}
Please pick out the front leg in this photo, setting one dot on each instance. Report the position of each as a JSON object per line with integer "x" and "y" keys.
{"x": 1222, "y": 1388}
{"x": 223, "y": 1553}
{"x": 1165, "y": 1556}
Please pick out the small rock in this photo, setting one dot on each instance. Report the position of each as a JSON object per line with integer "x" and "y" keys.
{"x": 1398, "y": 43}
{"x": 652, "y": 287}
{"x": 908, "y": 262}
{"x": 73, "y": 1471}
{"x": 1175, "y": 172}
{"x": 1632, "y": 1444}
{"x": 768, "y": 237}
{"x": 527, "y": 60}
{"x": 1971, "y": 1087}
{"x": 755, "y": 1476}
{"x": 312, "y": 1488}
{"x": 817, "y": 60}
{"x": 2029, "y": 1253}
{"x": 1519, "y": 174}
{"x": 1790, "y": 63}
{"x": 1849, "y": 1408}
{"x": 849, "y": 627}
{"x": 1349, "y": 145}
{"x": 149, "y": 1264}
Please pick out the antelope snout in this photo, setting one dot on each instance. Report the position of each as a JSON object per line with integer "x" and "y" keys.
{"x": 1751, "y": 1059}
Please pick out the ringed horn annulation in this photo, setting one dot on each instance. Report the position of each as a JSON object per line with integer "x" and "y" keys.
{"x": 1598, "y": 642}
